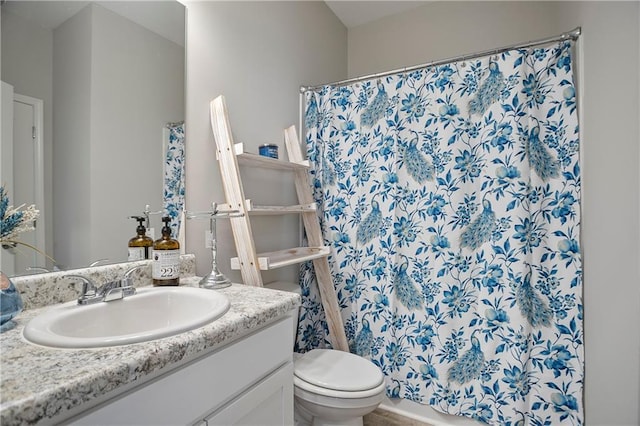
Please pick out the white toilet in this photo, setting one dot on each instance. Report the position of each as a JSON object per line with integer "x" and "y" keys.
{"x": 335, "y": 388}
{"x": 331, "y": 387}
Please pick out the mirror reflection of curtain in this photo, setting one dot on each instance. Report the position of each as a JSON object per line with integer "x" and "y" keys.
{"x": 173, "y": 193}
{"x": 450, "y": 197}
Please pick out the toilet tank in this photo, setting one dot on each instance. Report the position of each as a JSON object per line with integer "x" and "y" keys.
{"x": 284, "y": 286}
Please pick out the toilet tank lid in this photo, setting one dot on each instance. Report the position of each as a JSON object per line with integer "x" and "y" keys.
{"x": 337, "y": 370}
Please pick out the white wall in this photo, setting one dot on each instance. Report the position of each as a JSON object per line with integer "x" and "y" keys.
{"x": 445, "y": 29}
{"x": 610, "y": 233}
{"x": 100, "y": 169}
{"x": 610, "y": 143}
{"x": 108, "y": 165}
{"x": 139, "y": 71}
{"x": 31, "y": 75}
{"x": 72, "y": 103}
{"x": 256, "y": 54}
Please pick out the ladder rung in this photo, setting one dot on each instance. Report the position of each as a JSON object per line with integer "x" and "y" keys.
{"x": 280, "y": 258}
{"x": 251, "y": 159}
{"x": 258, "y": 210}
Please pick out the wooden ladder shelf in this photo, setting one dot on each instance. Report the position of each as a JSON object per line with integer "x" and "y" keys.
{"x": 250, "y": 263}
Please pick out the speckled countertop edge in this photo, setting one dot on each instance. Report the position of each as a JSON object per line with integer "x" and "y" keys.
{"x": 39, "y": 383}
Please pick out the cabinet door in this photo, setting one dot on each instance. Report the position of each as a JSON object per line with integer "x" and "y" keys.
{"x": 268, "y": 403}
{"x": 198, "y": 388}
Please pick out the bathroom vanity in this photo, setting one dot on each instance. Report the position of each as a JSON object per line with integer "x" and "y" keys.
{"x": 246, "y": 382}
{"x": 236, "y": 370}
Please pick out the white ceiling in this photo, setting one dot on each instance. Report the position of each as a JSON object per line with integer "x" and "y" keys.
{"x": 166, "y": 20}
{"x": 354, "y": 13}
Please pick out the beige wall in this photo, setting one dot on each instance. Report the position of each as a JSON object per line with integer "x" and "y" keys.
{"x": 609, "y": 63}
{"x": 256, "y": 54}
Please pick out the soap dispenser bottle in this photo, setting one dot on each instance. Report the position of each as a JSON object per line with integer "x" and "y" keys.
{"x": 140, "y": 246}
{"x": 166, "y": 258}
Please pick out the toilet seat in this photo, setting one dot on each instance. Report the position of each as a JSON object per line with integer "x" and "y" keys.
{"x": 338, "y": 374}
{"x": 300, "y": 386}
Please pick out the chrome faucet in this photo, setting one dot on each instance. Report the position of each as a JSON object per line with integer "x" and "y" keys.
{"x": 89, "y": 290}
{"x": 112, "y": 290}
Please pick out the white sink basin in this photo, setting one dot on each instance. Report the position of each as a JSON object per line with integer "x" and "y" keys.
{"x": 150, "y": 314}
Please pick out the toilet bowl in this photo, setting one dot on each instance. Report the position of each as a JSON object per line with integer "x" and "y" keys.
{"x": 331, "y": 387}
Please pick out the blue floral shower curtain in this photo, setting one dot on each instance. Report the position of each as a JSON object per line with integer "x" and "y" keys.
{"x": 173, "y": 193}
{"x": 450, "y": 197}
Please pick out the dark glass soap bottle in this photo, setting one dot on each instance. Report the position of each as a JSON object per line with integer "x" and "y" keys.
{"x": 140, "y": 246}
{"x": 166, "y": 258}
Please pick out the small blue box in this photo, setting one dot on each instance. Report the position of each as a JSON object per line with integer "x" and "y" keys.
{"x": 269, "y": 150}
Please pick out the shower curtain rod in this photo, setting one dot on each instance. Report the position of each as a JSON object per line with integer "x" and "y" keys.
{"x": 571, "y": 35}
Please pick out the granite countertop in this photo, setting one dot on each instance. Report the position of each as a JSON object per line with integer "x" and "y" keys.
{"x": 39, "y": 383}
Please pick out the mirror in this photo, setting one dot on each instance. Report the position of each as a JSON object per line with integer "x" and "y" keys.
{"x": 109, "y": 77}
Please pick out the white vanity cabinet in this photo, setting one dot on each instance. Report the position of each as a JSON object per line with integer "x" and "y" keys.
{"x": 247, "y": 382}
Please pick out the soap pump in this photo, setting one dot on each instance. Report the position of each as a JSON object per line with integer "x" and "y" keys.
{"x": 166, "y": 258}
{"x": 140, "y": 246}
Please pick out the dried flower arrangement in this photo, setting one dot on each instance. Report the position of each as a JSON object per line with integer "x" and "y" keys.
{"x": 16, "y": 220}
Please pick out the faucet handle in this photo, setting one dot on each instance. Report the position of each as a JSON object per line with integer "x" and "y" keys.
{"x": 89, "y": 289}
{"x": 115, "y": 290}
{"x": 126, "y": 279}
